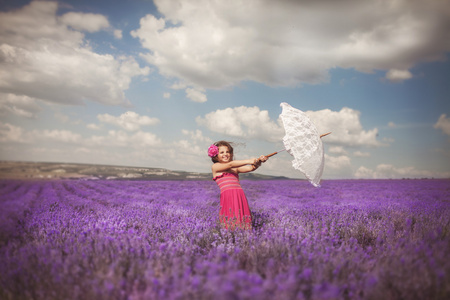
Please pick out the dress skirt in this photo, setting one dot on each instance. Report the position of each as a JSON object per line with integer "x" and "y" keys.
{"x": 234, "y": 209}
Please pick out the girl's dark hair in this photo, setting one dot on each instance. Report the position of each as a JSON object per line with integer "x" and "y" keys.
{"x": 223, "y": 143}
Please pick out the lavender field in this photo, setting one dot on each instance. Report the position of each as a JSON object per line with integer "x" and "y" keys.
{"x": 360, "y": 239}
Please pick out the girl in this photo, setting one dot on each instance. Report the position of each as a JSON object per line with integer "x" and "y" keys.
{"x": 234, "y": 210}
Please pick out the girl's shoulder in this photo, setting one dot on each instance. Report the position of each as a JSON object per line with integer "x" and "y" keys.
{"x": 215, "y": 166}
{"x": 217, "y": 173}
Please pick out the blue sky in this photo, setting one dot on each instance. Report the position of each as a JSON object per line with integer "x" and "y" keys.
{"x": 154, "y": 83}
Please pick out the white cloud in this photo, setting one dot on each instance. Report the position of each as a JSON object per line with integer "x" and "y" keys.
{"x": 187, "y": 154}
{"x": 337, "y": 162}
{"x": 187, "y": 147}
{"x": 250, "y": 122}
{"x": 10, "y": 133}
{"x": 337, "y": 150}
{"x": 21, "y": 106}
{"x": 166, "y": 95}
{"x": 361, "y": 154}
{"x": 93, "y": 126}
{"x": 193, "y": 151}
{"x": 243, "y": 122}
{"x": 41, "y": 57}
{"x": 284, "y": 43}
{"x": 121, "y": 138}
{"x": 398, "y": 75}
{"x": 118, "y": 34}
{"x": 197, "y": 136}
{"x": 364, "y": 172}
{"x": 443, "y": 123}
{"x": 392, "y": 172}
{"x": 196, "y": 95}
{"x": 53, "y": 145}
{"x": 129, "y": 121}
{"x": 62, "y": 117}
{"x": 85, "y": 21}
{"x": 64, "y": 136}
{"x": 345, "y": 126}
{"x": 178, "y": 86}
{"x": 337, "y": 166}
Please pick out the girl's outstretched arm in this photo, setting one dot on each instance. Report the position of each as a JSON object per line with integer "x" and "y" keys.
{"x": 228, "y": 166}
{"x": 252, "y": 167}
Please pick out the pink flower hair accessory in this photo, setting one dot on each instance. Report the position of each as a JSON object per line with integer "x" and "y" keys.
{"x": 213, "y": 150}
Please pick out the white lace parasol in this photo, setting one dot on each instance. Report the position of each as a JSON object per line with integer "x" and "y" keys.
{"x": 303, "y": 142}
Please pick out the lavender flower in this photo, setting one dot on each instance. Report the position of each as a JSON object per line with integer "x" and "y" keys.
{"x": 365, "y": 239}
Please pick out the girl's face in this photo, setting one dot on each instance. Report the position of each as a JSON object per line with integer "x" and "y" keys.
{"x": 224, "y": 154}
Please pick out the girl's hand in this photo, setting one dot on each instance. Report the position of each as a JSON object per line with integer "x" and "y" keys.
{"x": 258, "y": 161}
{"x": 256, "y": 164}
{"x": 262, "y": 158}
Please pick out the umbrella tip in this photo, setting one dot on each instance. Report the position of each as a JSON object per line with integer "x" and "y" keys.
{"x": 325, "y": 134}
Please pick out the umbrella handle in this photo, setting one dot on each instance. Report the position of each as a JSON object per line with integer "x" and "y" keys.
{"x": 271, "y": 154}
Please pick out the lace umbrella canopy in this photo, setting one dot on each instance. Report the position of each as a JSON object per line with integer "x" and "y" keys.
{"x": 303, "y": 142}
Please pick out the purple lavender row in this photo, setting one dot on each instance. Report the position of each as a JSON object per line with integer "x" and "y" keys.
{"x": 162, "y": 240}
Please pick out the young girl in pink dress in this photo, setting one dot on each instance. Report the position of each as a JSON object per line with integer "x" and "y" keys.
{"x": 234, "y": 210}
